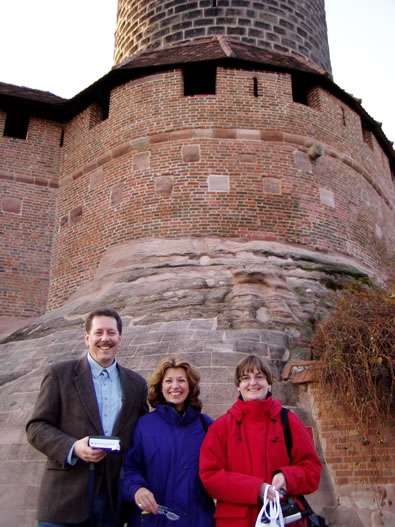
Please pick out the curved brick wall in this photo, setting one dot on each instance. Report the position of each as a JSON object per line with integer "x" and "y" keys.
{"x": 230, "y": 165}
{"x": 297, "y": 27}
{"x": 29, "y": 179}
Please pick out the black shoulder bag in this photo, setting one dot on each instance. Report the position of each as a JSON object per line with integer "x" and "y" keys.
{"x": 313, "y": 520}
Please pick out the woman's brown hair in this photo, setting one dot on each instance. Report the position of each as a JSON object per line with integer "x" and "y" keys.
{"x": 248, "y": 364}
{"x": 155, "y": 395}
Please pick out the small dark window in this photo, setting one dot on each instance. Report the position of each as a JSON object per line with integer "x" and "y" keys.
{"x": 61, "y": 142}
{"x": 100, "y": 110}
{"x": 199, "y": 79}
{"x": 304, "y": 92}
{"x": 16, "y": 125}
{"x": 214, "y": 3}
{"x": 256, "y": 87}
{"x": 300, "y": 90}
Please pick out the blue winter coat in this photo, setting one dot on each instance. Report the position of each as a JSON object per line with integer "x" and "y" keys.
{"x": 164, "y": 458}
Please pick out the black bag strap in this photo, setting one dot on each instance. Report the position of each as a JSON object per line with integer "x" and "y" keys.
{"x": 313, "y": 520}
{"x": 287, "y": 432}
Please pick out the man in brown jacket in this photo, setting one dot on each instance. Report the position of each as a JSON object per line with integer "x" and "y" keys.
{"x": 78, "y": 399}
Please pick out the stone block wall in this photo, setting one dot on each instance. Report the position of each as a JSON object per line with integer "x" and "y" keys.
{"x": 214, "y": 352}
{"x": 29, "y": 172}
{"x": 212, "y": 301}
{"x": 350, "y": 492}
{"x": 231, "y": 165}
{"x": 297, "y": 27}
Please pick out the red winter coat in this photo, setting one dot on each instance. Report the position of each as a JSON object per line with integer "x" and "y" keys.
{"x": 245, "y": 447}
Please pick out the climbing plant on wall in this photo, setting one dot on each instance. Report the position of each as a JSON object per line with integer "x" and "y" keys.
{"x": 355, "y": 353}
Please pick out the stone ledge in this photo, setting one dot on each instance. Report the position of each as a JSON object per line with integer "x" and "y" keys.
{"x": 299, "y": 372}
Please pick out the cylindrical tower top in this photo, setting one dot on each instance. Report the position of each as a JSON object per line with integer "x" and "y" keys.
{"x": 289, "y": 26}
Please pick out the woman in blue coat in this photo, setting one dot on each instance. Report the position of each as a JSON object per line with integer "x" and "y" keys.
{"x": 161, "y": 467}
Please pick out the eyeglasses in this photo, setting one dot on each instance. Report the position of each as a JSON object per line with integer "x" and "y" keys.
{"x": 170, "y": 515}
{"x": 259, "y": 377}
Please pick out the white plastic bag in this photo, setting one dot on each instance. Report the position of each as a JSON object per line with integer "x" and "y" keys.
{"x": 270, "y": 514}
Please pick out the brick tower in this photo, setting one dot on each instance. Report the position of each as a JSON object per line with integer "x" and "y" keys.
{"x": 213, "y": 187}
{"x": 239, "y": 137}
{"x": 296, "y": 27}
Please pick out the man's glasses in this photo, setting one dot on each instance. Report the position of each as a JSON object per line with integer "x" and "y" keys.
{"x": 170, "y": 515}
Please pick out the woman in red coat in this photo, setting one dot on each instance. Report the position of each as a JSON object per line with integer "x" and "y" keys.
{"x": 244, "y": 451}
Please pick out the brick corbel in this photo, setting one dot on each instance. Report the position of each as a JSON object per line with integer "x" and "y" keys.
{"x": 298, "y": 372}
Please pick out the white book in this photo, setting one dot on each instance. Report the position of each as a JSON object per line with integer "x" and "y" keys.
{"x": 105, "y": 443}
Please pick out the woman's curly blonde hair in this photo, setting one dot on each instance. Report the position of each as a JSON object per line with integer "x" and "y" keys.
{"x": 155, "y": 395}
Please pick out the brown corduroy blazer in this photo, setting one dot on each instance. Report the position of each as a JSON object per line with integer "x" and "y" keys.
{"x": 66, "y": 410}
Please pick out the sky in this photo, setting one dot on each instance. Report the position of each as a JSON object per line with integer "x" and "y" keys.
{"x": 64, "y": 46}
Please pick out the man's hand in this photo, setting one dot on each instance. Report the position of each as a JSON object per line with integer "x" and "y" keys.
{"x": 86, "y": 453}
{"x": 146, "y": 500}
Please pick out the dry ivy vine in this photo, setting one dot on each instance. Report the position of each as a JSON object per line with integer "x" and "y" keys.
{"x": 355, "y": 352}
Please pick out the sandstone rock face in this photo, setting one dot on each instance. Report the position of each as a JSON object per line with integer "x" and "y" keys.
{"x": 242, "y": 285}
{"x": 210, "y": 300}
{"x": 214, "y": 351}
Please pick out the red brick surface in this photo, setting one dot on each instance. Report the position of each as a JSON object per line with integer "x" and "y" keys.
{"x": 29, "y": 172}
{"x": 351, "y": 458}
{"x": 276, "y": 191}
{"x": 150, "y": 162}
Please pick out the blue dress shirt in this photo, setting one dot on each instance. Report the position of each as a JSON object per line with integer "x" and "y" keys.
{"x": 108, "y": 392}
